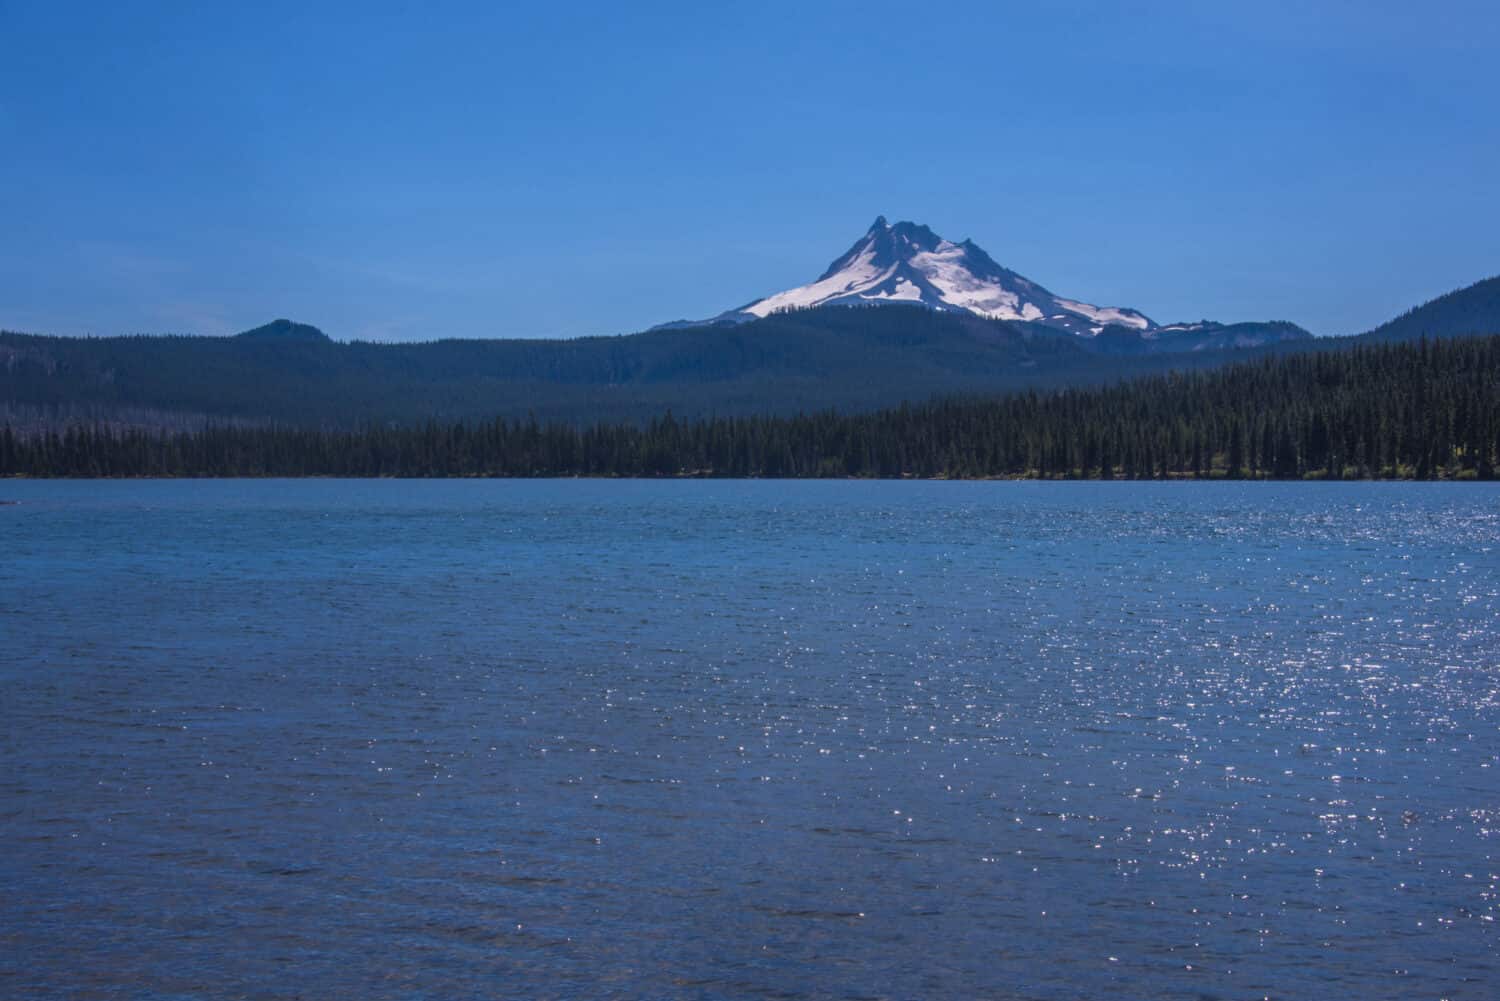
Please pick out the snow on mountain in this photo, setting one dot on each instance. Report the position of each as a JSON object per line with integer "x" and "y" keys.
{"x": 909, "y": 263}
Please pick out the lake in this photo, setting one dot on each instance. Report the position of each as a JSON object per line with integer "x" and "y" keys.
{"x": 692, "y": 739}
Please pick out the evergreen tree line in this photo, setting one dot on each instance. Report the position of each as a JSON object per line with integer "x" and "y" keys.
{"x": 1423, "y": 410}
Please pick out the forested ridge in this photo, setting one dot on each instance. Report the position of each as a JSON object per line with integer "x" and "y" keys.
{"x": 1422, "y": 410}
{"x": 846, "y": 359}
{"x": 1471, "y": 310}
{"x": 843, "y": 358}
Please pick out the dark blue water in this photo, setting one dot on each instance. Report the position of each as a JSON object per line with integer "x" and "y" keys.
{"x": 366, "y": 740}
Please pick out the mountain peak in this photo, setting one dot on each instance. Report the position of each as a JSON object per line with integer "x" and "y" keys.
{"x": 906, "y": 262}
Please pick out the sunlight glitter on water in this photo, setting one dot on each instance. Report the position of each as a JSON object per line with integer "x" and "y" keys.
{"x": 881, "y": 739}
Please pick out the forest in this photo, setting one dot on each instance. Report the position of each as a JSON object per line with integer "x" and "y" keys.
{"x": 852, "y": 360}
{"x": 291, "y": 374}
{"x": 1410, "y": 410}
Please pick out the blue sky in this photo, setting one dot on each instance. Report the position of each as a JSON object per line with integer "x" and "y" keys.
{"x": 408, "y": 171}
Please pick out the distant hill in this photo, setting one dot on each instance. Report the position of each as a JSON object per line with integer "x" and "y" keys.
{"x": 285, "y": 330}
{"x": 1471, "y": 310}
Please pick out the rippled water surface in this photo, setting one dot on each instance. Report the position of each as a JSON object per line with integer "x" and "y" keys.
{"x": 374, "y": 740}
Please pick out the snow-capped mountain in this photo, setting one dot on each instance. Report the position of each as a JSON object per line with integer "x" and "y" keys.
{"x": 909, "y": 263}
